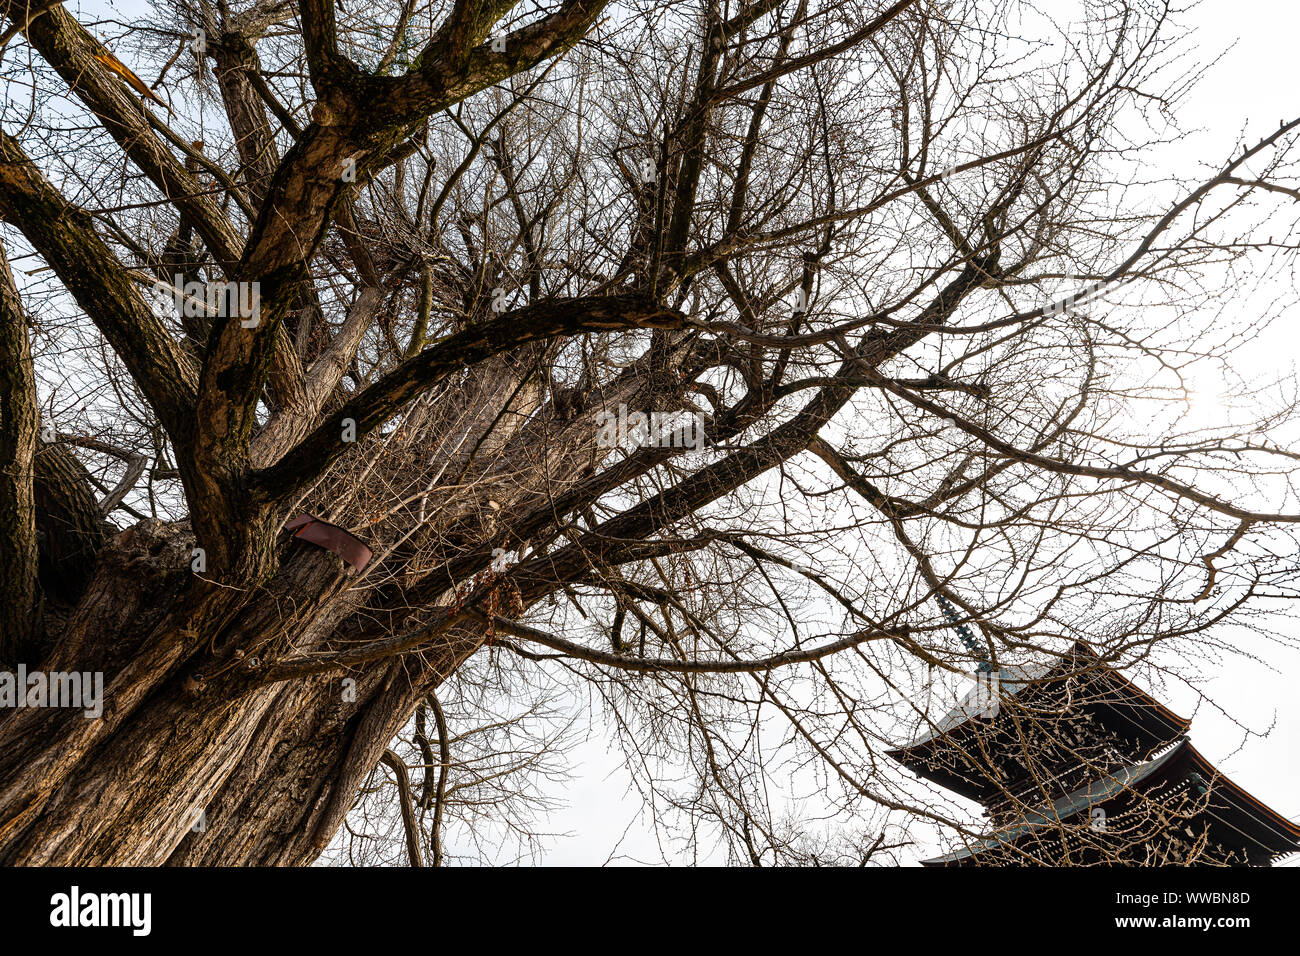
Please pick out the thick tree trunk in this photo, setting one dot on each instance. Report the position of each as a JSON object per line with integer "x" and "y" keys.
{"x": 211, "y": 772}
{"x": 193, "y": 761}
{"x": 196, "y": 760}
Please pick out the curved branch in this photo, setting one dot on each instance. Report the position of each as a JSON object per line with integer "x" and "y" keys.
{"x": 77, "y": 57}
{"x": 377, "y": 404}
{"x": 394, "y": 763}
{"x": 65, "y": 236}
{"x": 673, "y": 666}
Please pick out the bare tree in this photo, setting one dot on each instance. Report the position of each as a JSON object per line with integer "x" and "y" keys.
{"x": 667, "y": 358}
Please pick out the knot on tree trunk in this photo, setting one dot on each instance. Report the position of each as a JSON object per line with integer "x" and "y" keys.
{"x": 140, "y": 573}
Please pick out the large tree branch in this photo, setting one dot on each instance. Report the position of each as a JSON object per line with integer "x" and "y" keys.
{"x": 614, "y": 541}
{"x": 357, "y": 123}
{"x": 19, "y": 588}
{"x": 670, "y": 665}
{"x": 74, "y": 54}
{"x": 65, "y": 236}
{"x": 68, "y": 521}
{"x": 378, "y": 403}
{"x": 236, "y": 63}
{"x": 446, "y": 72}
{"x": 320, "y": 40}
{"x": 293, "y": 422}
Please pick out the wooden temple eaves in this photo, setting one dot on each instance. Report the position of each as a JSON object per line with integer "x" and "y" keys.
{"x": 1074, "y": 742}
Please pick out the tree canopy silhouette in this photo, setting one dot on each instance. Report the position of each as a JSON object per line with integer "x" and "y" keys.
{"x": 669, "y": 357}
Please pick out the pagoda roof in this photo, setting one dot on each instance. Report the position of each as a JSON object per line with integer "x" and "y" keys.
{"x": 1071, "y": 805}
{"x": 1012, "y": 679}
{"x": 1254, "y": 825}
{"x": 1130, "y": 704}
